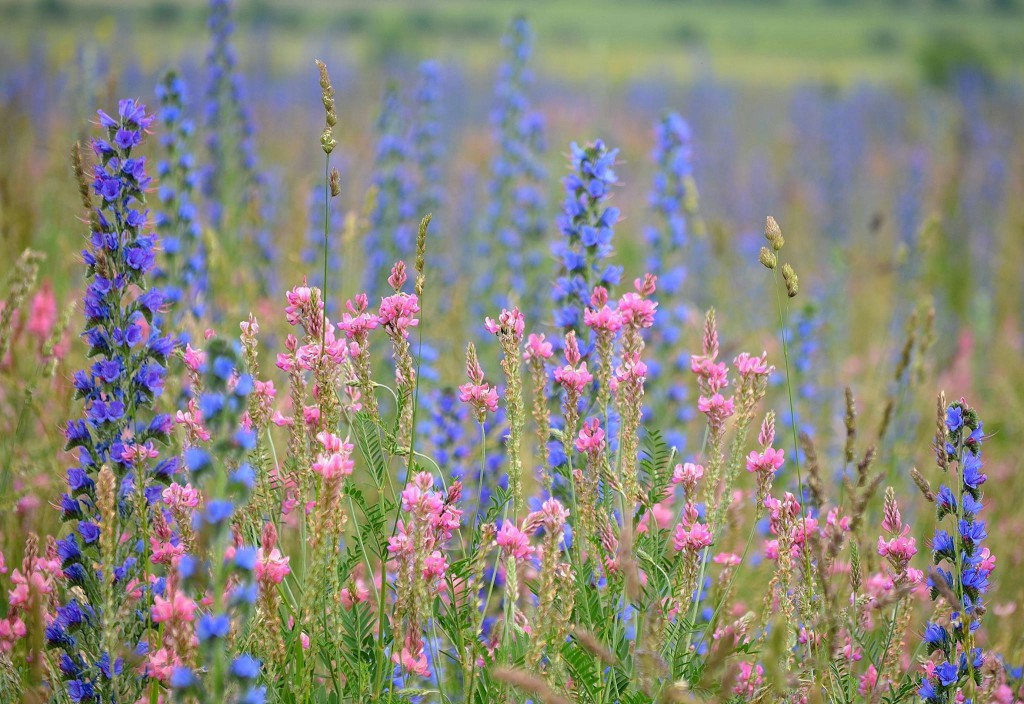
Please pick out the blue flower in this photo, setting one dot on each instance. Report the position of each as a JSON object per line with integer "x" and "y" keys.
{"x": 954, "y": 418}
{"x": 947, "y": 673}
{"x": 245, "y": 667}
{"x": 218, "y": 511}
{"x": 67, "y": 550}
{"x": 182, "y": 678}
{"x": 90, "y": 532}
{"x": 934, "y": 636}
{"x": 972, "y": 474}
{"x": 211, "y": 626}
{"x": 245, "y": 558}
{"x": 80, "y": 690}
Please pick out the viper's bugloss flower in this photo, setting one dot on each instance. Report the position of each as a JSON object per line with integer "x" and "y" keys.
{"x": 961, "y": 562}
{"x": 392, "y": 228}
{"x": 513, "y": 223}
{"x": 182, "y": 273}
{"x": 119, "y": 431}
{"x": 586, "y": 225}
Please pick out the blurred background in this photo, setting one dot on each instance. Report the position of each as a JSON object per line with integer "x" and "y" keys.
{"x": 884, "y": 135}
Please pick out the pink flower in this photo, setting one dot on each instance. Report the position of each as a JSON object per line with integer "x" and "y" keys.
{"x": 636, "y": 311}
{"x": 398, "y": 312}
{"x": 299, "y": 300}
{"x": 868, "y": 681}
{"x": 250, "y": 327}
{"x": 591, "y": 438}
{"x": 633, "y": 370}
{"x": 988, "y": 561}
{"x": 179, "y": 496}
{"x": 537, "y": 348}
{"x": 356, "y": 322}
{"x": 710, "y": 374}
{"x": 481, "y": 396}
{"x": 434, "y": 566}
{"x": 727, "y": 559}
{"x": 194, "y": 359}
{"x": 767, "y": 462}
{"x": 335, "y": 465}
{"x": 43, "y": 313}
{"x": 573, "y": 379}
{"x": 359, "y": 594}
{"x": 900, "y": 549}
{"x": 691, "y": 535}
{"x": 398, "y": 276}
{"x": 717, "y": 408}
{"x": 603, "y": 318}
{"x": 514, "y": 542}
{"x": 415, "y": 664}
{"x": 272, "y": 567}
{"x": 510, "y": 322}
{"x": 177, "y": 608}
{"x": 748, "y": 365}
{"x": 687, "y": 474}
{"x": 750, "y": 679}
{"x": 552, "y": 515}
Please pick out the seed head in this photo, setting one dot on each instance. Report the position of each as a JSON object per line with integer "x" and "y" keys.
{"x": 335, "y": 182}
{"x": 768, "y": 258}
{"x": 773, "y": 233}
{"x": 792, "y": 282}
{"x": 327, "y": 95}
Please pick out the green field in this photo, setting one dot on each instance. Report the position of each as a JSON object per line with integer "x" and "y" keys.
{"x": 772, "y": 43}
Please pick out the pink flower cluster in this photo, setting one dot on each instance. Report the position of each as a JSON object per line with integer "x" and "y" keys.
{"x": 476, "y": 392}
{"x": 510, "y": 323}
{"x": 33, "y": 585}
{"x": 767, "y": 461}
{"x": 687, "y": 475}
{"x": 335, "y": 461}
{"x": 573, "y": 377}
{"x": 398, "y": 312}
{"x": 552, "y": 515}
{"x": 900, "y": 546}
{"x": 690, "y": 534}
{"x": 591, "y": 438}
{"x": 271, "y": 566}
{"x": 513, "y": 542}
{"x": 432, "y": 519}
{"x": 537, "y": 348}
{"x": 635, "y": 308}
{"x": 602, "y": 317}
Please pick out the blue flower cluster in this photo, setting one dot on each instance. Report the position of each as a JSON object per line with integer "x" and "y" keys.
{"x": 587, "y": 225}
{"x": 226, "y": 480}
{"x": 670, "y": 197}
{"x": 230, "y": 131}
{"x": 220, "y": 67}
{"x": 672, "y": 201}
{"x": 961, "y": 563}
{"x": 392, "y": 232}
{"x": 514, "y": 221}
{"x": 426, "y": 139}
{"x": 119, "y": 429}
{"x": 183, "y": 273}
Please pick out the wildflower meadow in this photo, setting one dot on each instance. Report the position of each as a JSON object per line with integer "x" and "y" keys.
{"x": 528, "y": 371}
